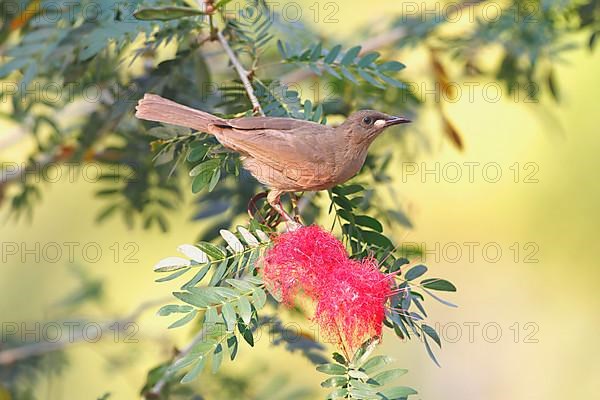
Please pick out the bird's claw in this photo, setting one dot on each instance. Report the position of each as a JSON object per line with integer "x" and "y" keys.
{"x": 293, "y": 225}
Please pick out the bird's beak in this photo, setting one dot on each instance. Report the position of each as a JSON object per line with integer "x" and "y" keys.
{"x": 396, "y": 120}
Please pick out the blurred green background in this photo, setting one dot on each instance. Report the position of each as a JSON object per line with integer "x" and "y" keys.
{"x": 527, "y": 322}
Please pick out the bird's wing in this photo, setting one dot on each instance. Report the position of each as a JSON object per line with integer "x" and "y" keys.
{"x": 286, "y": 142}
{"x": 281, "y": 124}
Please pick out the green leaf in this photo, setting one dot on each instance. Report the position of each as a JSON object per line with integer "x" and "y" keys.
{"x": 197, "y": 154}
{"x": 248, "y": 237}
{"x": 194, "y": 372}
{"x": 225, "y": 292}
{"x": 398, "y": 264}
{"x": 331, "y": 71}
{"x": 343, "y": 202}
{"x": 246, "y": 333}
{"x": 213, "y": 251}
{"x": 233, "y": 242}
{"x": 347, "y": 215}
{"x": 182, "y": 363}
{"x": 445, "y": 302}
{"x": 259, "y": 298}
{"x": 362, "y": 391}
{"x": 364, "y": 351}
{"x": 356, "y": 374}
{"x": 172, "y": 276}
{"x": 184, "y": 320}
{"x": 197, "y": 278}
{"x": 374, "y": 363}
{"x": 199, "y": 182}
{"x": 377, "y": 239}
{"x": 398, "y": 392}
{"x": 193, "y": 299}
{"x": 350, "y": 56}
{"x": 232, "y": 345}
{"x": 387, "y": 376}
{"x": 166, "y": 13}
{"x": 171, "y": 264}
{"x": 391, "y": 81}
{"x": 242, "y": 286}
{"x": 338, "y": 394}
{"x": 217, "y": 358}
{"x": 392, "y": 66}
{"x": 438, "y": 284}
{"x": 214, "y": 179}
{"x": 432, "y": 334}
{"x": 415, "y": 299}
{"x": 348, "y": 75}
{"x": 219, "y": 273}
{"x": 332, "y": 55}
{"x": 332, "y": 369}
{"x": 211, "y": 316}
{"x": 173, "y": 308}
{"x": 346, "y": 190}
{"x": 430, "y": 352}
{"x": 193, "y": 252}
{"x": 334, "y": 381}
{"x": 369, "y": 222}
{"x": 368, "y": 59}
{"x": 340, "y": 358}
{"x": 415, "y": 272}
{"x": 281, "y": 49}
{"x": 108, "y": 211}
{"x": 206, "y": 167}
{"x": 369, "y": 78}
{"x": 255, "y": 280}
{"x": 316, "y": 52}
{"x": 229, "y": 316}
{"x": 205, "y": 174}
{"x": 245, "y": 309}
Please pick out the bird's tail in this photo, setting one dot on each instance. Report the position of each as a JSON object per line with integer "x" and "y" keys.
{"x": 155, "y": 108}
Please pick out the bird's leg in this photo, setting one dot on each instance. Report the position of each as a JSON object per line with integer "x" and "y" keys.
{"x": 272, "y": 217}
{"x": 274, "y": 199}
{"x": 295, "y": 209}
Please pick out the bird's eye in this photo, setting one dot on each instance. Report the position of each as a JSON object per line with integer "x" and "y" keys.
{"x": 367, "y": 120}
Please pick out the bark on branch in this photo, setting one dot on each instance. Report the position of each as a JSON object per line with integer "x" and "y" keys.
{"x": 242, "y": 73}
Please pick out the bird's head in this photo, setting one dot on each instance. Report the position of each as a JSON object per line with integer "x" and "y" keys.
{"x": 365, "y": 125}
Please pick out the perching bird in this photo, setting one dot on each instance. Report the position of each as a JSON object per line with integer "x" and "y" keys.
{"x": 285, "y": 154}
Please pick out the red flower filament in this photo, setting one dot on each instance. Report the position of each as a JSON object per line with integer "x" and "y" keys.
{"x": 350, "y": 295}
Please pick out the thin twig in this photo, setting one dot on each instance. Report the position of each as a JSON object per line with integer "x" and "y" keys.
{"x": 242, "y": 73}
{"x": 10, "y": 356}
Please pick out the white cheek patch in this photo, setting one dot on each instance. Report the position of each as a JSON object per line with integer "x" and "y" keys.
{"x": 380, "y": 123}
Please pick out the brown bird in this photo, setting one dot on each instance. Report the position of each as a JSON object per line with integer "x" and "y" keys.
{"x": 285, "y": 154}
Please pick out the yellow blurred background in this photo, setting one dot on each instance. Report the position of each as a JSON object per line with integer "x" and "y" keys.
{"x": 527, "y": 322}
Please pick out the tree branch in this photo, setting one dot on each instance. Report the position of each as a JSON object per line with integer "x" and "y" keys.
{"x": 242, "y": 73}
{"x": 10, "y": 356}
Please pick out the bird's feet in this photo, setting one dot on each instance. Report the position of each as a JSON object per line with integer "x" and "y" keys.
{"x": 276, "y": 214}
{"x": 292, "y": 223}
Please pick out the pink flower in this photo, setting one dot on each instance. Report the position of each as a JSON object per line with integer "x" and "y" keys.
{"x": 299, "y": 260}
{"x": 350, "y": 295}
